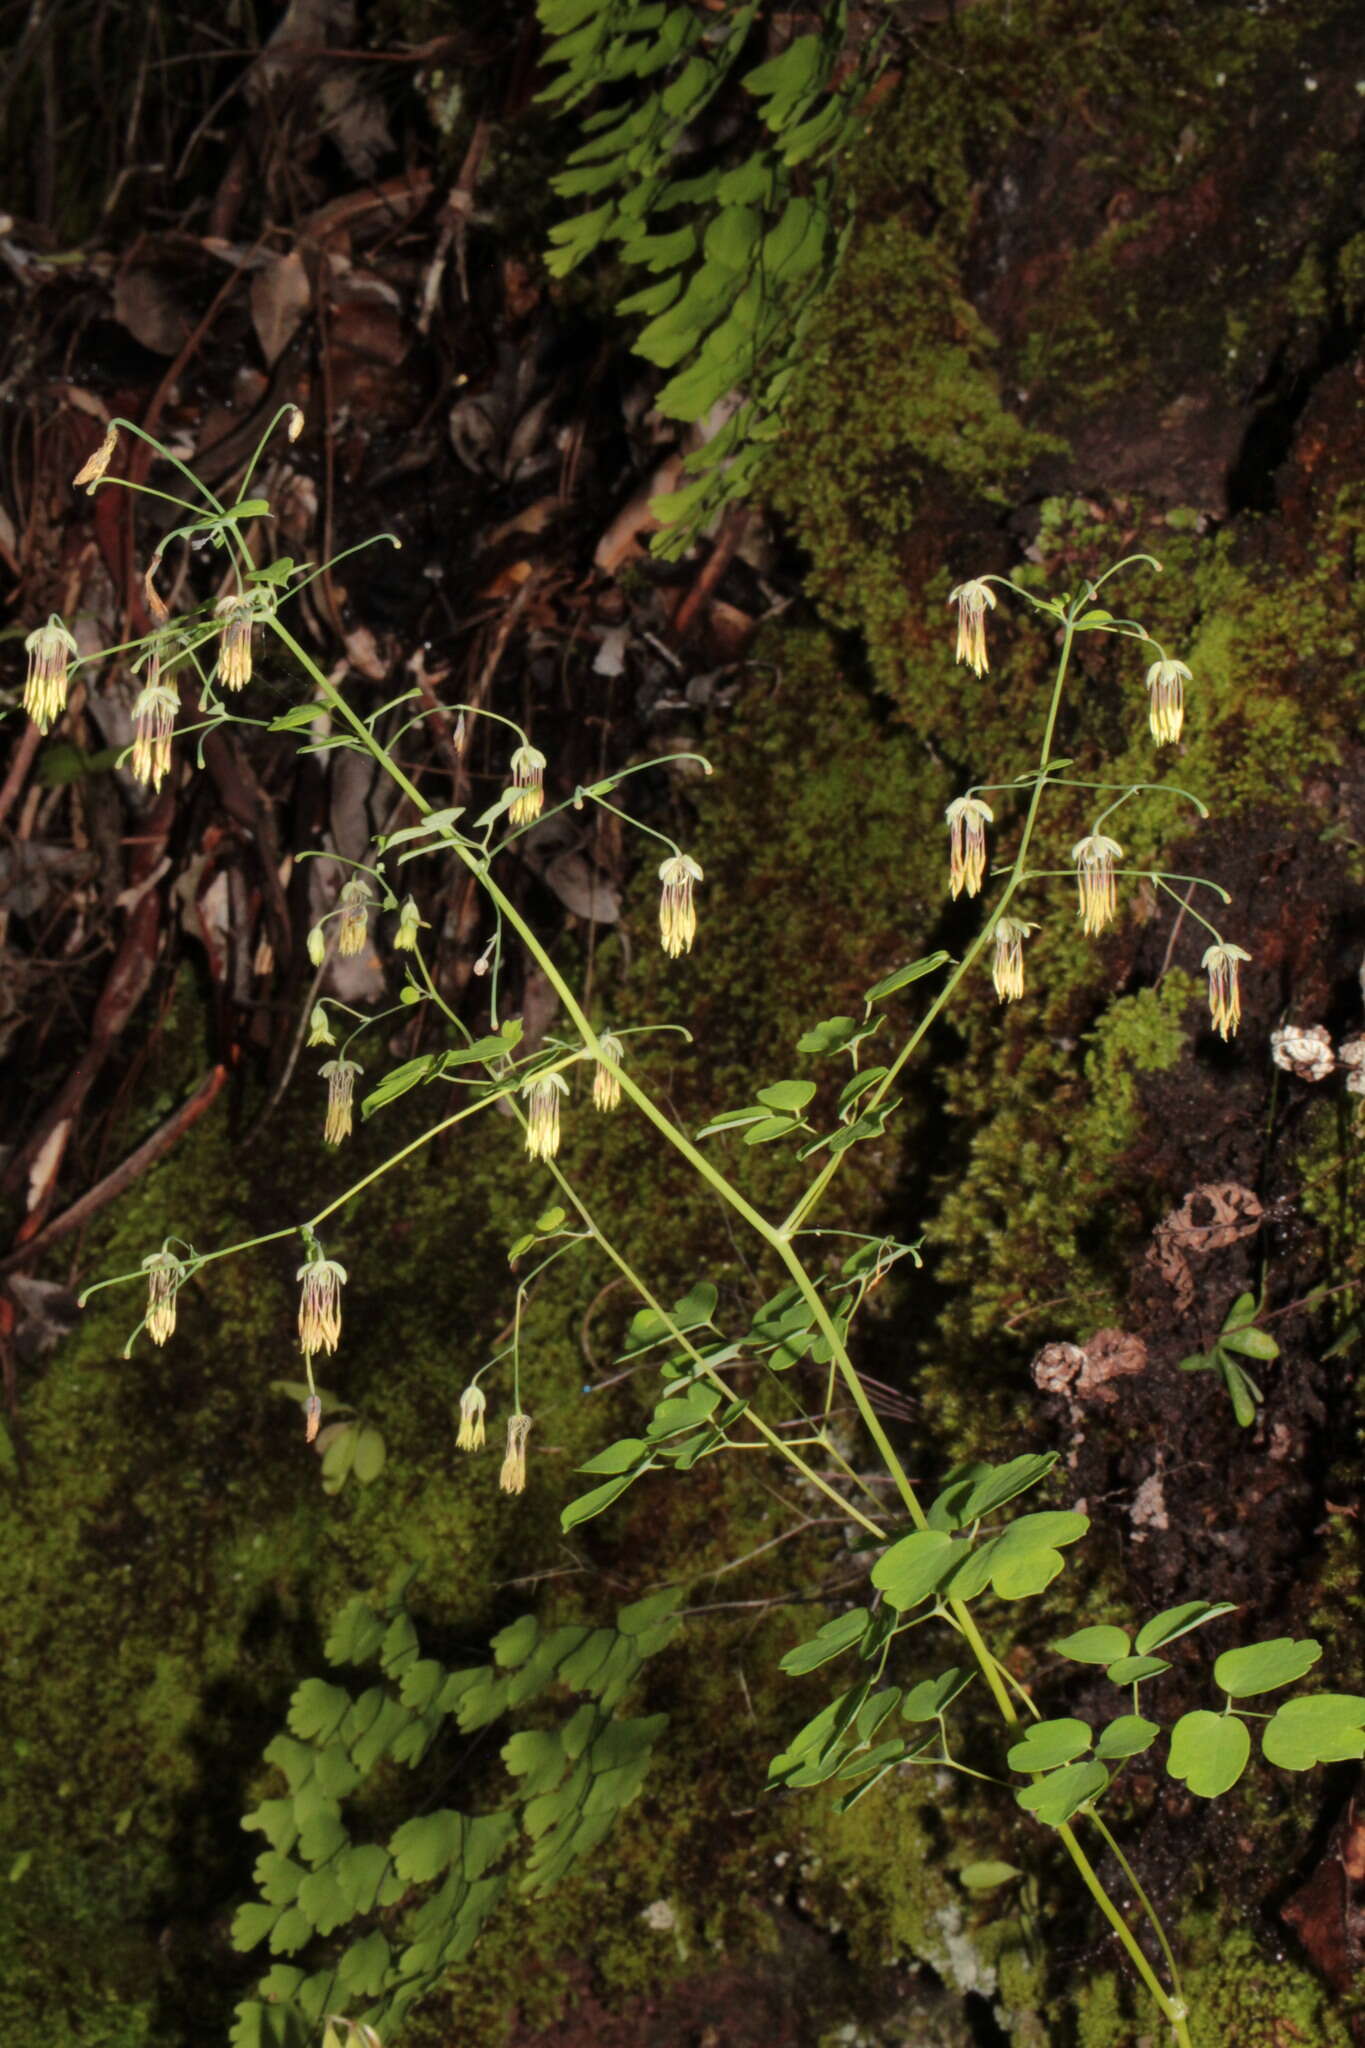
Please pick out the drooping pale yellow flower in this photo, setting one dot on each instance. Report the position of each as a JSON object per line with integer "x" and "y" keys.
{"x": 165, "y": 1277}
{"x": 1166, "y": 682}
{"x": 471, "y": 1434}
{"x": 94, "y": 466}
{"x": 1094, "y": 857}
{"x": 606, "y": 1085}
{"x": 542, "y": 1094}
{"x": 317, "y": 950}
{"x": 50, "y": 650}
{"x": 153, "y": 723}
{"x": 1007, "y": 962}
{"x": 1222, "y": 963}
{"x": 340, "y": 1078}
{"x": 677, "y": 911}
{"x": 512, "y": 1478}
{"x": 354, "y": 920}
{"x": 238, "y": 614}
{"x": 971, "y": 600}
{"x": 528, "y": 779}
{"x": 320, "y": 1026}
{"x": 320, "y": 1304}
{"x": 967, "y": 818}
{"x": 410, "y": 922}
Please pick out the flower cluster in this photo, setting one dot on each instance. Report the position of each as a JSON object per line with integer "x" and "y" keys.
{"x": 971, "y": 600}
{"x": 512, "y": 1478}
{"x": 320, "y": 1304}
{"x": 471, "y": 1434}
{"x": 165, "y": 1277}
{"x": 967, "y": 818}
{"x": 238, "y": 614}
{"x": 154, "y": 713}
{"x": 528, "y": 780}
{"x": 340, "y": 1078}
{"x": 677, "y": 911}
{"x": 50, "y": 652}
{"x": 1166, "y": 682}
{"x": 1007, "y": 964}
{"x": 1222, "y": 963}
{"x": 1093, "y": 858}
{"x": 542, "y": 1094}
{"x": 606, "y": 1084}
{"x": 353, "y": 922}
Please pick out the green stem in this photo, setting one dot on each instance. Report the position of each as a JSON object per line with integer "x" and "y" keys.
{"x": 1173, "y": 2009}
{"x": 1148, "y": 1908}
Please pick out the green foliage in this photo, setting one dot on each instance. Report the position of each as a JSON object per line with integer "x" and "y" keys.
{"x": 741, "y": 251}
{"x": 316, "y": 1880}
{"x": 1238, "y": 1339}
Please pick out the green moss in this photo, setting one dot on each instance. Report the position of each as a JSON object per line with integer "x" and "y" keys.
{"x": 1238, "y": 1998}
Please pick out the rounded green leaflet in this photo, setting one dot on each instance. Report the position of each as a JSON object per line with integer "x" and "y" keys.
{"x": 1262, "y": 1667}
{"x": 1209, "y": 1752}
{"x": 1048, "y": 1744}
{"x": 985, "y": 1876}
{"x": 831, "y": 1641}
{"x": 1054, "y": 1799}
{"x": 1320, "y": 1728}
{"x": 1132, "y": 1670}
{"x": 1178, "y": 1621}
{"x": 1128, "y": 1736}
{"x": 1099, "y": 1645}
{"x": 916, "y": 1566}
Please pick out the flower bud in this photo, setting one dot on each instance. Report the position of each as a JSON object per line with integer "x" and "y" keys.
{"x": 93, "y": 468}
{"x": 410, "y": 922}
